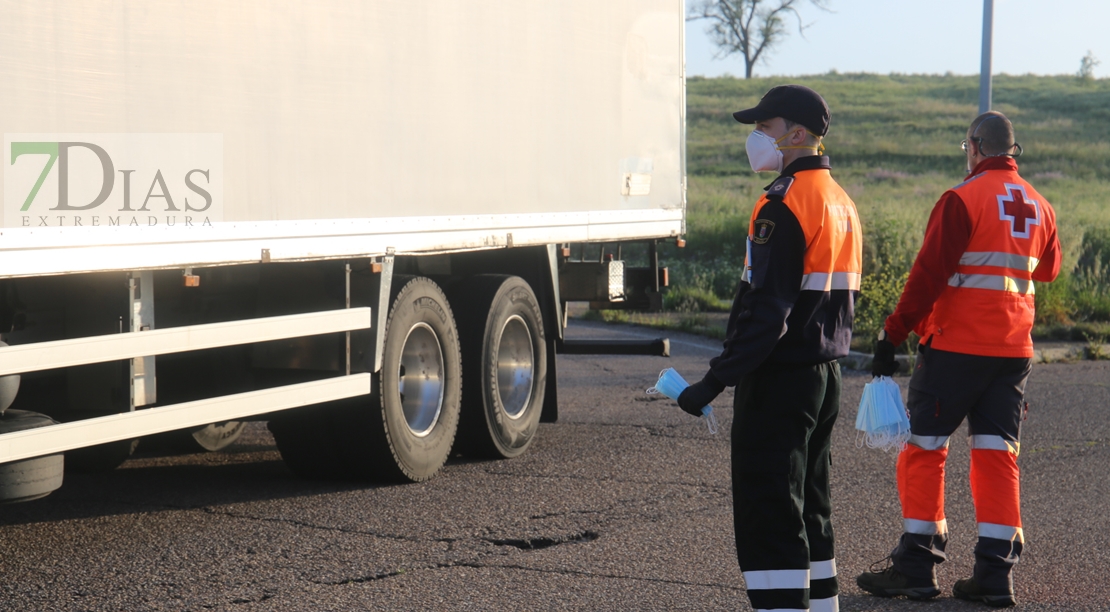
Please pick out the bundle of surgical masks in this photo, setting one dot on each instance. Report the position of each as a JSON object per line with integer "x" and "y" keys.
{"x": 671, "y": 384}
{"x": 882, "y": 421}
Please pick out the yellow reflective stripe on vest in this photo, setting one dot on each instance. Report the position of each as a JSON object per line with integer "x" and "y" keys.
{"x": 1001, "y": 260}
{"x": 777, "y": 579}
{"x": 821, "y": 281}
{"x": 995, "y": 282}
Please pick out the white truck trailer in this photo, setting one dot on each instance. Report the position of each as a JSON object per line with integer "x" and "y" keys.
{"x": 352, "y": 219}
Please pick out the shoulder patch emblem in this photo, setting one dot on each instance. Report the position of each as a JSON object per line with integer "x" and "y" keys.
{"x": 780, "y": 186}
{"x": 761, "y": 233}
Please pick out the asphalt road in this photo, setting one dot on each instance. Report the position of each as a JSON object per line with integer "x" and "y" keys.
{"x": 624, "y": 504}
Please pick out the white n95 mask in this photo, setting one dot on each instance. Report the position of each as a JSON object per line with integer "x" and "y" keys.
{"x": 763, "y": 152}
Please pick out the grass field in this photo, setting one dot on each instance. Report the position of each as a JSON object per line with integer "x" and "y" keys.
{"x": 894, "y": 144}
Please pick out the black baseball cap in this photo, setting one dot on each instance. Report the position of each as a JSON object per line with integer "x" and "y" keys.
{"x": 794, "y": 102}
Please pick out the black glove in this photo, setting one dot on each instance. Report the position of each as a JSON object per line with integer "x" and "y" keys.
{"x": 883, "y": 362}
{"x": 700, "y": 394}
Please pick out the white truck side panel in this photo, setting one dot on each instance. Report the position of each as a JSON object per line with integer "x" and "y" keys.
{"x": 349, "y": 127}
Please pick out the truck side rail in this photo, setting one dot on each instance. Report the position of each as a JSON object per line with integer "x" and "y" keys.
{"x": 99, "y": 430}
{"x": 23, "y": 358}
{"x": 127, "y": 425}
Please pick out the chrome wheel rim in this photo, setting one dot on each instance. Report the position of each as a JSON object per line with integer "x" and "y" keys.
{"x": 516, "y": 363}
{"x": 420, "y": 379}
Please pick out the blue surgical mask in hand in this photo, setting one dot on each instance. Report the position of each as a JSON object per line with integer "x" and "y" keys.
{"x": 671, "y": 384}
{"x": 882, "y": 420}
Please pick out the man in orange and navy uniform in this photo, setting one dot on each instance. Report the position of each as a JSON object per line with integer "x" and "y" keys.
{"x": 791, "y": 320}
{"x": 970, "y": 298}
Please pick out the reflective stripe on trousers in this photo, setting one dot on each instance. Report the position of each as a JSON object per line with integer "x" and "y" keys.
{"x": 925, "y": 527}
{"x": 829, "y": 604}
{"x": 1001, "y": 532}
{"x": 988, "y": 442}
{"x": 929, "y": 442}
{"x": 820, "y": 570}
{"x": 777, "y": 579}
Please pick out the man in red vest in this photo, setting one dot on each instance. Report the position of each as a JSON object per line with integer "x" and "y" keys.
{"x": 970, "y": 298}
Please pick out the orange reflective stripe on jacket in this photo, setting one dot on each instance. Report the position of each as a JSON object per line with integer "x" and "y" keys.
{"x": 988, "y": 307}
{"x": 834, "y": 239}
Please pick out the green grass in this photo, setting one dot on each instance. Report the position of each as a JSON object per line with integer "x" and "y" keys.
{"x": 894, "y": 143}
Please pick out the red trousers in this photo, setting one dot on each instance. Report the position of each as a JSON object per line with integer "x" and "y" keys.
{"x": 947, "y": 388}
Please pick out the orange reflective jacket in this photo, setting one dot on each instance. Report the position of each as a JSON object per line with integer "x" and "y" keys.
{"x": 796, "y": 301}
{"x": 834, "y": 240}
{"x": 988, "y": 307}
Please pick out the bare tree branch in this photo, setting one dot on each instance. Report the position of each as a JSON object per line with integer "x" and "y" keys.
{"x": 752, "y": 28}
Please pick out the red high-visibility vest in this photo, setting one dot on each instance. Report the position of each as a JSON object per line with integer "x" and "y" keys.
{"x": 987, "y": 308}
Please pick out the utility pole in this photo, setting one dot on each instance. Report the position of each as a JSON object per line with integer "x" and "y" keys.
{"x": 985, "y": 67}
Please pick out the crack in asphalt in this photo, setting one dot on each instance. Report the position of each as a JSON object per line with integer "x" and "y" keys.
{"x": 621, "y": 510}
{"x": 624, "y": 509}
{"x": 529, "y": 544}
{"x": 634, "y": 509}
{"x": 568, "y": 572}
{"x": 365, "y": 579}
{"x": 716, "y": 488}
{"x": 247, "y": 600}
{"x": 547, "y": 515}
{"x": 287, "y": 521}
{"x": 560, "y": 572}
{"x": 299, "y": 523}
{"x": 541, "y": 543}
{"x": 477, "y": 565}
{"x": 664, "y": 433}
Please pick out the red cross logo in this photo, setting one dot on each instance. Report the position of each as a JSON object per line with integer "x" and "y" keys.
{"x": 1015, "y": 207}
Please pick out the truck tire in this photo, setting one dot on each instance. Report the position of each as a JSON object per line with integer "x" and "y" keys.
{"x": 210, "y": 438}
{"x": 28, "y": 479}
{"x": 504, "y": 364}
{"x": 217, "y": 436}
{"x": 403, "y": 431}
{"x": 9, "y": 387}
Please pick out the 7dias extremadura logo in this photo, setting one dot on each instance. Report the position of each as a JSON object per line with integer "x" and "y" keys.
{"x": 113, "y": 180}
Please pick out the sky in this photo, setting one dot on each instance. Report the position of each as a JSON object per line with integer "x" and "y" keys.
{"x": 924, "y": 37}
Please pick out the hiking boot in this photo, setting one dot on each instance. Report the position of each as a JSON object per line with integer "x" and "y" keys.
{"x": 970, "y": 590}
{"x": 892, "y": 583}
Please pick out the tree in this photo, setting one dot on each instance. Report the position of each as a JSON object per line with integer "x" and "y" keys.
{"x": 748, "y": 27}
{"x": 1087, "y": 66}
